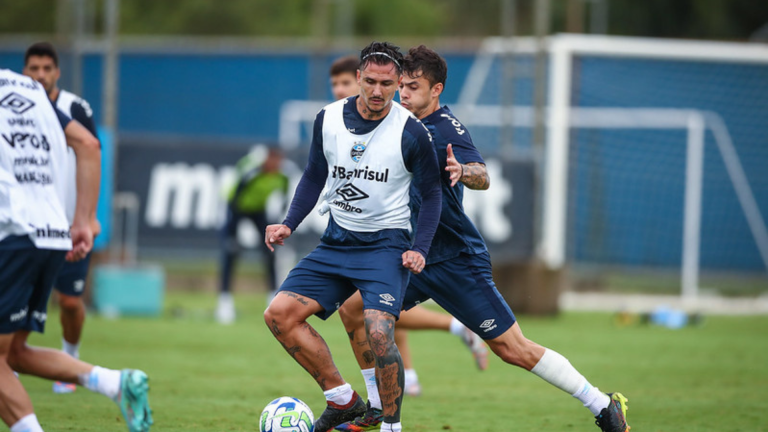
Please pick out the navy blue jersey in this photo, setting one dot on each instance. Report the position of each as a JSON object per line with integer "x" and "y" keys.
{"x": 456, "y": 234}
{"x": 419, "y": 158}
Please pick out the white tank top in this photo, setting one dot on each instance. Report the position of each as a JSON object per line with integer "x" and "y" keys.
{"x": 368, "y": 183}
{"x": 33, "y": 154}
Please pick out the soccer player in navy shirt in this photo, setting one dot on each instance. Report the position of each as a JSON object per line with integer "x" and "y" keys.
{"x": 458, "y": 272}
{"x": 367, "y": 153}
{"x": 41, "y": 63}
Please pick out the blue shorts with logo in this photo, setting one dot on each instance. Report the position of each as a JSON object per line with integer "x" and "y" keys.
{"x": 464, "y": 287}
{"x": 26, "y": 278}
{"x": 71, "y": 279}
{"x": 331, "y": 274}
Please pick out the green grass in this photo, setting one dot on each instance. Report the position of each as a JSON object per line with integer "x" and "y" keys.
{"x": 206, "y": 377}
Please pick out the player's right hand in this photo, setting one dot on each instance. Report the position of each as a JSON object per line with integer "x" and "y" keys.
{"x": 82, "y": 241}
{"x": 276, "y": 235}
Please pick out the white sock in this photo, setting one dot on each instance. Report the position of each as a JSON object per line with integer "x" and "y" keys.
{"x": 391, "y": 427}
{"x": 410, "y": 377}
{"x": 558, "y": 371}
{"x": 457, "y": 327}
{"x": 27, "y": 423}
{"x": 71, "y": 349}
{"x": 369, "y": 375}
{"x": 101, "y": 380}
{"x": 340, "y": 395}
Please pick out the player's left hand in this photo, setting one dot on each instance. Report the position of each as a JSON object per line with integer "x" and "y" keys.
{"x": 82, "y": 241}
{"x": 414, "y": 261}
{"x": 453, "y": 166}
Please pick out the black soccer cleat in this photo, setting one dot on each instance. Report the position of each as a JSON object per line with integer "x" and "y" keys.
{"x": 336, "y": 414}
{"x": 613, "y": 418}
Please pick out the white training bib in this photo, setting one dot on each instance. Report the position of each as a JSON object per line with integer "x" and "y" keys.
{"x": 33, "y": 155}
{"x": 368, "y": 183}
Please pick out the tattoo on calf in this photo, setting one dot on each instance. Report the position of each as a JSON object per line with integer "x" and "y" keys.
{"x": 369, "y": 358}
{"x": 380, "y": 327}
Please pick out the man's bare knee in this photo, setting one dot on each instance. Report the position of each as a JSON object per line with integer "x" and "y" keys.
{"x": 16, "y": 355}
{"x": 70, "y": 303}
{"x": 351, "y": 317}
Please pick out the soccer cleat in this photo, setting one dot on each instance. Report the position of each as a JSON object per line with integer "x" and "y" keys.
{"x": 63, "y": 388}
{"x": 225, "y": 309}
{"x": 371, "y": 420}
{"x": 479, "y": 350}
{"x": 412, "y": 389}
{"x": 336, "y": 414}
{"x": 613, "y": 418}
{"x": 134, "y": 401}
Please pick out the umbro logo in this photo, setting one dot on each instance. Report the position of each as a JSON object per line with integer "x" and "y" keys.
{"x": 16, "y": 103}
{"x": 79, "y": 285}
{"x": 488, "y": 325}
{"x": 351, "y": 192}
{"x": 387, "y": 299}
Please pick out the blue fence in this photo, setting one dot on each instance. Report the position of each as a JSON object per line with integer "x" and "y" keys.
{"x": 626, "y": 186}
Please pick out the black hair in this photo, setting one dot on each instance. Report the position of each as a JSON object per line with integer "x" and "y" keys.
{"x": 43, "y": 49}
{"x": 431, "y": 65}
{"x": 346, "y": 64}
{"x": 381, "y": 53}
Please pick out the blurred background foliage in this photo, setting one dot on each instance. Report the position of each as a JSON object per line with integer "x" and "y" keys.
{"x": 694, "y": 19}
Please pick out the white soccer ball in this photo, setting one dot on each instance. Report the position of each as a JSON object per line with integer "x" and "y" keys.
{"x": 287, "y": 414}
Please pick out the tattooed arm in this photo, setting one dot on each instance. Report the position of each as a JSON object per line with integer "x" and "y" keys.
{"x": 473, "y": 175}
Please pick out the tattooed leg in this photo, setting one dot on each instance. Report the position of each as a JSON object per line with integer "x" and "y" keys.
{"x": 351, "y": 314}
{"x": 286, "y": 318}
{"x": 390, "y": 379}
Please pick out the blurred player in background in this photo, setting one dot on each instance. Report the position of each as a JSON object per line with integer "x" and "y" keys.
{"x": 256, "y": 181}
{"x": 366, "y": 153}
{"x": 458, "y": 272}
{"x": 41, "y": 63}
{"x": 35, "y": 236}
{"x": 343, "y": 75}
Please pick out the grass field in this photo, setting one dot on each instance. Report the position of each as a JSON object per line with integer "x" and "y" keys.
{"x": 206, "y": 377}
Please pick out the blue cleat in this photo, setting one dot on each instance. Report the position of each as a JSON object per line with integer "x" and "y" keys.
{"x": 63, "y": 387}
{"x": 134, "y": 401}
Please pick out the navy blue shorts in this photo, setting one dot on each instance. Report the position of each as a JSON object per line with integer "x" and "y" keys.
{"x": 330, "y": 274}
{"x": 26, "y": 278}
{"x": 71, "y": 279}
{"x": 464, "y": 287}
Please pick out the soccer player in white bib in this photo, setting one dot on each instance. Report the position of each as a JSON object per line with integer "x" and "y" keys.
{"x": 458, "y": 271}
{"x": 367, "y": 152}
{"x": 35, "y": 239}
{"x": 343, "y": 76}
{"x": 41, "y": 63}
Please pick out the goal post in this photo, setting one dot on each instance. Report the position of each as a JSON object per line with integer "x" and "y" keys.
{"x": 564, "y": 117}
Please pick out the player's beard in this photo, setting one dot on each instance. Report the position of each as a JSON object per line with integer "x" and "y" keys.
{"x": 379, "y": 111}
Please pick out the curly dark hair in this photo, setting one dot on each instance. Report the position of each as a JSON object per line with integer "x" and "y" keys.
{"x": 428, "y": 62}
{"x": 381, "y": 53}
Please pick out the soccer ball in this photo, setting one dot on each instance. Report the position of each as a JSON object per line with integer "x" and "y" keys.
{"x": 287, "y": 414}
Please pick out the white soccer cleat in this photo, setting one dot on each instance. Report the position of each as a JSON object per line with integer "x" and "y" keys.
{"x": 478, "y": 348}
{"x": 225, "y": 310}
